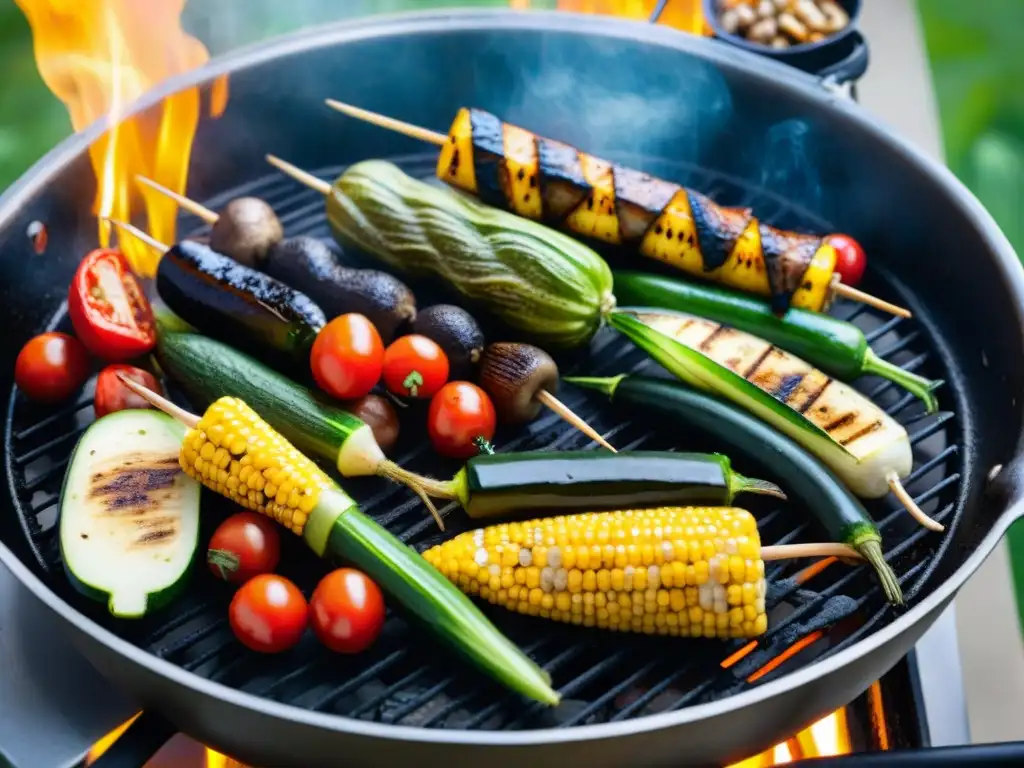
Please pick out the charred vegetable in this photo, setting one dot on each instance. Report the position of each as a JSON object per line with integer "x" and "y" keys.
{"x": 513, "y": 375}
{"x": 536, "y": 280}
{"x": 808, "y": 482}
{"x": 309, "y": 265}
{"x": 520, "y": 378}
{"x": 833, "y": 345}
{"x": 862, "y": 444}
{"x": 457, "y": 333}
{"x": 129, "y": 520}
{"x": 246, "y": 230}
{"x": 546, "y": 180}
{"x": 239, "y": 305}
{"x": 572, "y": 481}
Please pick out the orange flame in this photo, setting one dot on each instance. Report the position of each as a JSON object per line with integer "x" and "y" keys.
{"x": 681, "y": 14}
{"x": 99, "y": 57}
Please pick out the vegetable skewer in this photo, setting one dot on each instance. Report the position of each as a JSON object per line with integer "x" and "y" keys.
{"x": 683, "y": 571}
{"x": 541, "y": 179}
{"x": 208, "y": 370}
{"x": 543, "y": 395}
{"x": 806, "y": 479}
{"x": 304, "y": 263}
{"x": 234, "y": 452}
{"x": 862, "y": 444}
{"x": 836, "y": 346}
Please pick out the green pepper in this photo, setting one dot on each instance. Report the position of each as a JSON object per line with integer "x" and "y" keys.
{"x": 837, "y": 347}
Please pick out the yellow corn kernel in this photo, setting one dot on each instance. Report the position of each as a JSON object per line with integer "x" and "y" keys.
{"x": 232, "y": 451}
{"x": 676, "y": 571}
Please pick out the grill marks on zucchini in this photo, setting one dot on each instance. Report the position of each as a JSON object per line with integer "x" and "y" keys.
{"x": 824, "y": 401}
{"x": 618, "y": 205}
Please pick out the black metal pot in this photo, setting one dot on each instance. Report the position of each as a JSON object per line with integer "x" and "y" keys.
{"x": 740, "y": 128}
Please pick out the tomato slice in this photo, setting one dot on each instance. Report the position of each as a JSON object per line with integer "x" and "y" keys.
{"x": 108, "y": 308}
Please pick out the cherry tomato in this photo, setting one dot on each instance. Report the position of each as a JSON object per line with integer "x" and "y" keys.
{"x": 108, "y": 308}
{"x": 850, "y": 259}
{"x": 243, "y": 546}
{"x": 415, "y": 366}
{"x": 268, "y": 614}
{"x": 112, "y": 395}
{"x": 380, "y": 415}
{"x": 346, "y": 611}
{"x": 459, "y": 413}
{"x": 347, "y": 357}
{"x": 51, "y": 367}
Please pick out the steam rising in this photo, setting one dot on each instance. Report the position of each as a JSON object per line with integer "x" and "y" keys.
{"x": 788, "y": 168}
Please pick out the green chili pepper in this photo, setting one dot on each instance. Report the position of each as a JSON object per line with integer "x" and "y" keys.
{"x": 837, "y": 347}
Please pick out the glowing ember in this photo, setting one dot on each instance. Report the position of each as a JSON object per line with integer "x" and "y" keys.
{"x": 828, "y": 737}
{"x": 98, "y": 57}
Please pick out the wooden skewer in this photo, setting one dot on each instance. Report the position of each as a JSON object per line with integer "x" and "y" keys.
{"x": 300, "y": 175}
{"x": 855, "y": 294}
{"x": 570, "y": 416}
{"x": 546, "y": 398}
{"x": 911, "y": 506}
{"x": 137, "y": 233}
{"x": 824, "y": 549}
{"x": 190, "y": 420}
{"x": 191, "y": 206}
{"x": 433, "y": 137}
{"x": 390, "y": 123}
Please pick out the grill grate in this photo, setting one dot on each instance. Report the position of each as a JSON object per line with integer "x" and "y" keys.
{"x": 602, "y": 676}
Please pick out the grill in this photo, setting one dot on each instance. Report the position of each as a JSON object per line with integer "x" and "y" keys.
{"x": 815, "y": 611}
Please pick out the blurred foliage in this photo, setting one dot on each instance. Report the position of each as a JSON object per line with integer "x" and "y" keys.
{"x": 31, "y": 119}
{"x": 978, "y": 67}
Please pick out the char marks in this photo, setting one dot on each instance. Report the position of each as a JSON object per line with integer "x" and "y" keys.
{"x": 562, "y": 183}
{"x": 488, "y": 156}
{"x": 718, "y": 228}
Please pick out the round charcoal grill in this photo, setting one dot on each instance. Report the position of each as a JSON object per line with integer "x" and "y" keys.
{"x": 417, "y": 702}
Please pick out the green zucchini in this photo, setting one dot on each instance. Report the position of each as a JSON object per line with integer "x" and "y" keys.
{"x": 536, "y": 280}
{"x": 207, "y": 370}
{"x": 808, "y": 482}
{"x": 572, "y": 481}
{"x": 129, "y": 516}
{"x": 862, "y": 444}
{"x": 836, "y": 346}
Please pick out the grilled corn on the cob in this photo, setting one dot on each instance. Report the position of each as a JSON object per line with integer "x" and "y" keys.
{"x": 690, "y": 571}
{"x": 236, "y": 453}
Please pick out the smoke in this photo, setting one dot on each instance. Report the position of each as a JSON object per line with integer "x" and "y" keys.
{"x": 614, "y": 97}
{"x": 788, "y": 165}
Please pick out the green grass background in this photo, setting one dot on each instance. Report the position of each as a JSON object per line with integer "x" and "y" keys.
{"x": 975, "y": 50}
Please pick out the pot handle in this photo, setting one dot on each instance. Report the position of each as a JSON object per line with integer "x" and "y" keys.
{"x": 140, "y": 741}
{"x": 842, "y": 75}
{"x": 1010, "y": 753}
